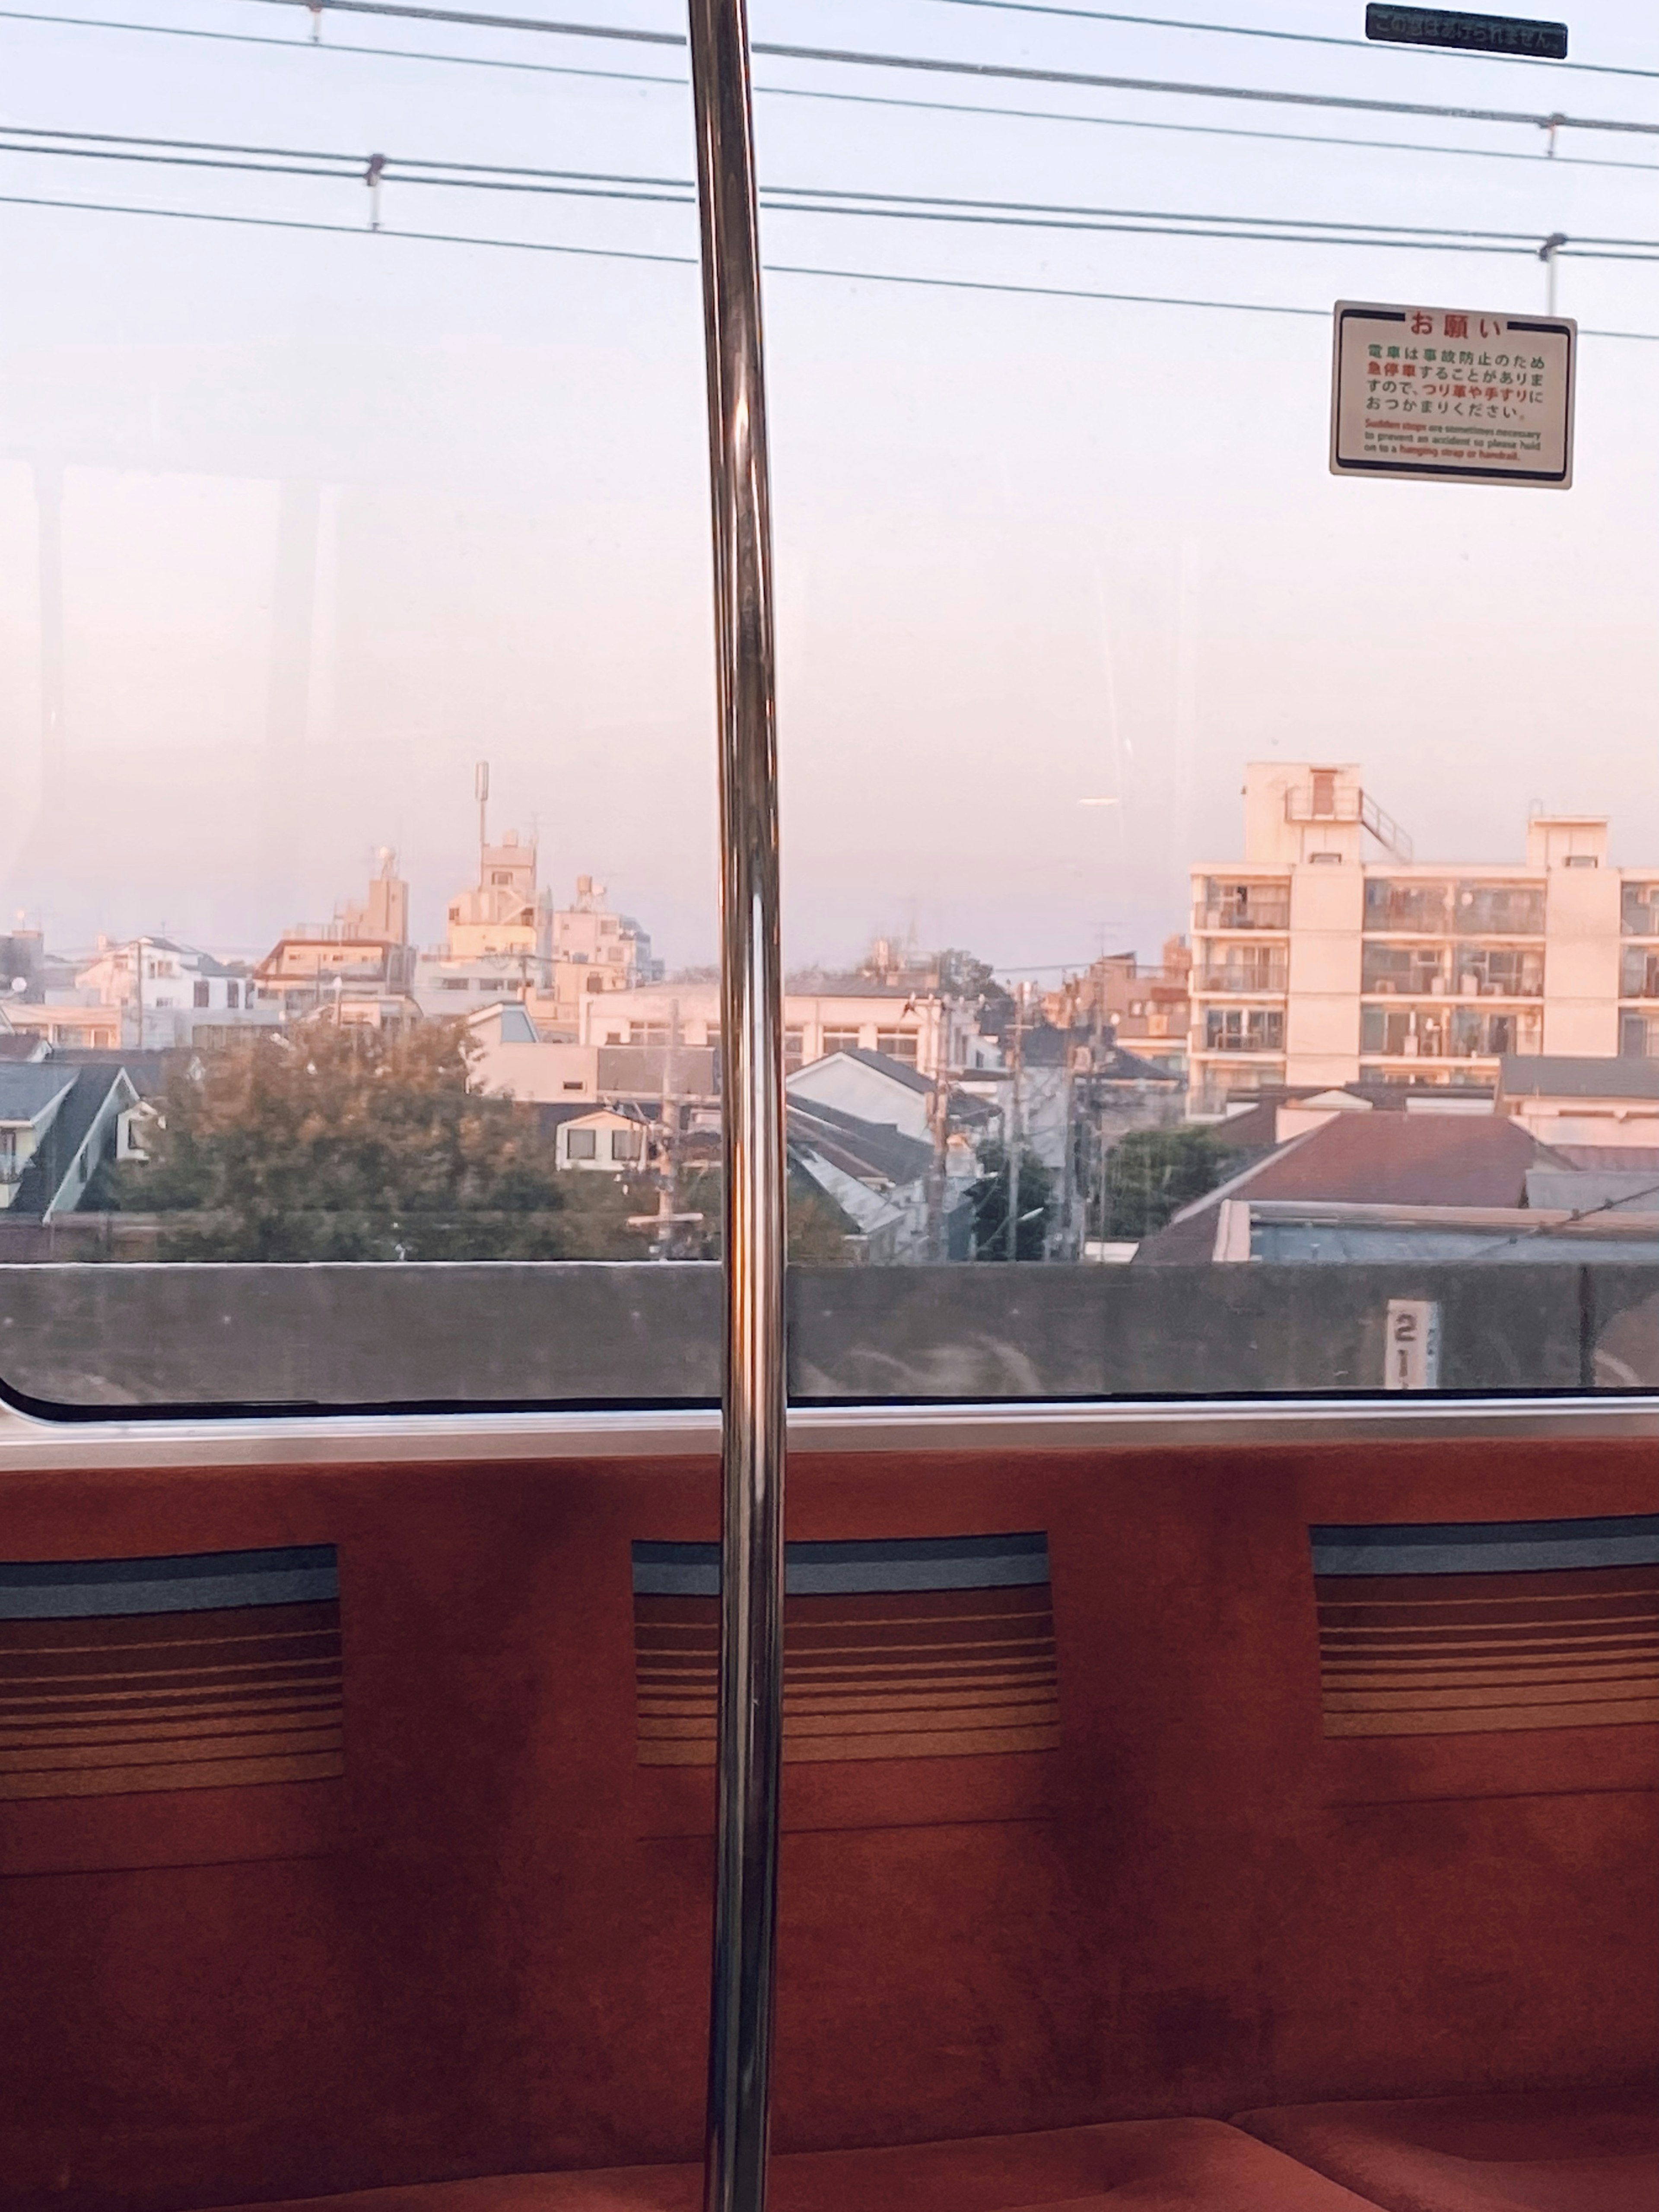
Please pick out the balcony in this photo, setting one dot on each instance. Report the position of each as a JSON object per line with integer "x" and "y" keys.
{"x": 1227, "y": 913}
{"x": 1269, "y": 979}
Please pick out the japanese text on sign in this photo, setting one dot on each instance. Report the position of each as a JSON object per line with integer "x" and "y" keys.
{"x": 1452, "y": 393}
{"x": 1480, "y": 35}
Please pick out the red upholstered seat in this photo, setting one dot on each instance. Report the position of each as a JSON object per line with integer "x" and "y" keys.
{"x": 1141, "y": 2166}
{"x": 1585, "y": 2151}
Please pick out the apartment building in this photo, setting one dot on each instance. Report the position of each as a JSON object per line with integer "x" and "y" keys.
{"x": 1331, "y": 954}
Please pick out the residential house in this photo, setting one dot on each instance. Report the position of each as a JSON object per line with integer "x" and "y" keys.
{"x": 58, "y": 1124}
{"x": 1394, "y": 1171}
{"x": 604, "y": 1142}
{"x": 151, "y": 993}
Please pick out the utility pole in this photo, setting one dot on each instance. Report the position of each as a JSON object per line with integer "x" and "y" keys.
{"x": 939, "y": 1116}
{"x": 481, "y": 792}
{"x": 1014, "y": 1122}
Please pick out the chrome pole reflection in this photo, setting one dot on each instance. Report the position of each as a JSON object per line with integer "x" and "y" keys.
{"x": 752, "y": 1436}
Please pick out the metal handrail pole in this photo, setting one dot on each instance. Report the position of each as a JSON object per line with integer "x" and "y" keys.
{"x": 754, "y": 1403}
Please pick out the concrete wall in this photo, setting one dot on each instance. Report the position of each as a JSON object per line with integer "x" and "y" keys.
{"x": 593, "y": 1333}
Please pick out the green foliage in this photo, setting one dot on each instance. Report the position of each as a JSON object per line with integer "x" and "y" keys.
{"x": 1152, "y": 1173}
{"x": 818, "y": 1229}
{"x": 989, "y": 1198}
{"x": 959, "y": 971}
{"x": 328, "y": 1144}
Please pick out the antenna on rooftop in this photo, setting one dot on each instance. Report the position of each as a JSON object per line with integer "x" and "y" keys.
{"x": 481, "y": 793}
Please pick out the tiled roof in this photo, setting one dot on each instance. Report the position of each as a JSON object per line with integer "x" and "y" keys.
{"x": 863, "y": 1149}
{"x": 1380, "y": 1160}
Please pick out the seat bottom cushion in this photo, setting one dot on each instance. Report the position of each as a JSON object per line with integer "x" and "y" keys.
{"x": 1577, "y": 2151}
{"x": 1134, "y": 2165}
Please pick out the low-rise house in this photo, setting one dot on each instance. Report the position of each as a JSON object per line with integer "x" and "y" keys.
{"x": 1408, "y": 1163}
{"x": 58, "y": 1124}
{"x": 151, "y": 993}
{"x": 605, "y": 1142}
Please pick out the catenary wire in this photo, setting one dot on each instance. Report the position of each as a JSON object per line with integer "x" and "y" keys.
{"x": 310, "y": 161}
{"x": 839, "y": 99}
{"x": 989, "y": 71}
{"x": 1290, "y": 38}
{"x": 799, "y": 200}
{"x": 690, "y": 261}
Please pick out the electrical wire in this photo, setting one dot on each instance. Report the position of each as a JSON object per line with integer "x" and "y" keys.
{"x": 690, "y": 261}
{"x": 838, "y": 99}
{"x": 277, "y": 161}
{"x": 990, "y": 71}
{"x": 1290, "y": 38}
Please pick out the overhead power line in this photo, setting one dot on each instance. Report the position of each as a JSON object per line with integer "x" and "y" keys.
{"x": 1285, "y": 37}
{"x": 986, "y": 71}
{"x": 520, "y": 67}
{"x": 386, "y": 170}
{"x": 690, "y": 260}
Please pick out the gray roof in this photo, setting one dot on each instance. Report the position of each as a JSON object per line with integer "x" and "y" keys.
{"x": 28, "y": 1089}
{"x": 42, "y": 1179}
{"x": 898, "y": 1070}
{"x": 1556, "y": 1076}
{"x": 866, "y": 1150}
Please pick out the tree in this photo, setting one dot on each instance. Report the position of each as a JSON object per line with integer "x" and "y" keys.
{"x": 331, "y": 1144}
{"x": 960, "y": 972}
{"x": 988, "y": 1197}
{"x": 1152, "y": 1173}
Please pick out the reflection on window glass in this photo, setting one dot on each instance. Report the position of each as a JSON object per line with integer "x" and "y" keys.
{"x": 1227, "y": 890}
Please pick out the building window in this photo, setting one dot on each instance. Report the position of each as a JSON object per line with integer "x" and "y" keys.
{"x": 203, "y": 994}
{"x": 624, "y": 1144}
{"x": 794, "y": 1050}
{"x": 841, "y": 1040}
{"x": 582, "y": 1144}
{"x": 1582, "y": 860}
{"x": 1639, "y": 1038}
{"x": 1326, "y": 859}
{"x": 596, "y": 982}
{"x": 233, "y": 996}
{"x": 898, "y": 1044}
{"x": 502, "y": 875}
{"x": 572, "y": 1086}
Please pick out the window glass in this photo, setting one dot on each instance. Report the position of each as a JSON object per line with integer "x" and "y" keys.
{"x": 1225, "y": 890}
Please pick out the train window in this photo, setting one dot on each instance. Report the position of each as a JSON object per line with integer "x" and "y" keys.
{"x": 1221, "y": 932}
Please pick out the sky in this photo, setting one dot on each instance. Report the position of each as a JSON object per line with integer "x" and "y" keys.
{"x": 343, "y": 512}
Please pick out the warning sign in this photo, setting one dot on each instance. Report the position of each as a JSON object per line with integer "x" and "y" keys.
{"x": 1452, "y": 393}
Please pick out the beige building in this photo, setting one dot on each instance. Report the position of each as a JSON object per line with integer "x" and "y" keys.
{"x": 499, "y": 913}
{"x": 1330, "y": 954}
{"x": 928, "y": 1031}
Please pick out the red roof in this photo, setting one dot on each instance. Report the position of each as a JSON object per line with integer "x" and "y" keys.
{"x": 1378, "y": 1160}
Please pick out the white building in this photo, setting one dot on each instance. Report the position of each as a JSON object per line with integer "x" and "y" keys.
{"x": 1329, "y": 953}
{"x": 163, "y": 992}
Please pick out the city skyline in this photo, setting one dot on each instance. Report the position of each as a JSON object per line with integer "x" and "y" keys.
{"x": 332, "y": 514}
